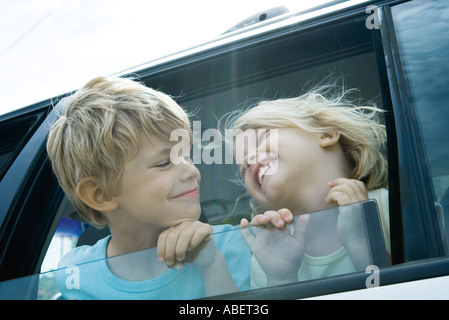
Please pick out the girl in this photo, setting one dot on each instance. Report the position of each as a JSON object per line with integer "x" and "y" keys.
{"x": 311, "y": 153}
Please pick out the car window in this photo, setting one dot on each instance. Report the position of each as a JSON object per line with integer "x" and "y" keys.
{"x": 272, "y": 67}
{"x": 355, "y": 241}
{"x": 423, "y": 39}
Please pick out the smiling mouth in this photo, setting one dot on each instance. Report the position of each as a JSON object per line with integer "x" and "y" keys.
{"x": 262, "y": 169}
{"x": 191, "y": 193}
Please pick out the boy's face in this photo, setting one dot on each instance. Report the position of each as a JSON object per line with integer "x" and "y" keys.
{"x": 155, "y": 192}
{"x": 296, "y": 171}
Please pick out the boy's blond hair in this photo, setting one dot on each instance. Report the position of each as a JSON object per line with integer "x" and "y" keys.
{"x": 363, "y": 134}
{"x": 99, "y": 129}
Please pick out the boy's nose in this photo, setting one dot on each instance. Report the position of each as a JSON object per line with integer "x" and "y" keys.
{"x": 188, "y": 170}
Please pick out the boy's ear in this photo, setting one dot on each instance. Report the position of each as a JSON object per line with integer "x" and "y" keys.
{"x": 93, "y": 196}
{"x": 329, "y": 138}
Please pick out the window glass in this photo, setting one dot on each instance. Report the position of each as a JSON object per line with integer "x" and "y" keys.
{"x": 64, "y": 239}
{"x": 66, "y": 235}
{"x": 247, "y": 258}
{"x": 423, "y": 36}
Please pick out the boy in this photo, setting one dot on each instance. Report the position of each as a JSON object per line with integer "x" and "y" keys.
{"x": 111, "y": 153}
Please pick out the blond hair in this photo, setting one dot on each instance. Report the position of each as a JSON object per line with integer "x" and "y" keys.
{"x": 363, "y": 134}
{"x": 99, "y": 129}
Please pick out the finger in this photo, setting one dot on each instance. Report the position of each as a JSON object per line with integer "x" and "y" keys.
{"x": 359, "y": 187}
{"x": 246, "y": 233}
{"x": 356, "y": 186}
{"x": 260, "y": 219}
{"x": 286, "y": 214}
{"x": 339, "y": 181}
{"x": 182, "y": 243}
{"x": 275, "y": 218}
{"x": 160, "y": 249}
{"x": 200, "y": 235}
{"x": 170, "y": 247}
{"x": 338, "y": 197}
{"x": 354, "y": 194}
{"x": 301, "y": 227}
{"x": 347, "y": 191}
{"x": 244, "y": 223}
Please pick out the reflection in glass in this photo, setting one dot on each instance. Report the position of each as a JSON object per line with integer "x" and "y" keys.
{"x": 304, "y": 250}
{"x": 326, "y": 243}
{"x": 219, "y": 265}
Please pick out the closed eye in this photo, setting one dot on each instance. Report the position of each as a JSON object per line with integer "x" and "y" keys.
{"x": 163, "y": 164}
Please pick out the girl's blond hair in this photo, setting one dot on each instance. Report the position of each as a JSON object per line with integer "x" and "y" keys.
{"x": 363, "y": 134}
{"x": 99, "y": 129}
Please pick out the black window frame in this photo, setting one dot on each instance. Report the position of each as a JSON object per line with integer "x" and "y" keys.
{"x": 418, "y": 213}
{"x": 27, "y": 213}
{"x": 16, "y": 129}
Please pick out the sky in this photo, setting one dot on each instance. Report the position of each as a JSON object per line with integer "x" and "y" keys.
{"x": 51, "y": 47}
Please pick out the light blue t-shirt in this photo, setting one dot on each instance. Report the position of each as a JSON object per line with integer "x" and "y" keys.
{"x": 84, "y": 273}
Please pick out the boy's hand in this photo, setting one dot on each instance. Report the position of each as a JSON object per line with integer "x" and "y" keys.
{"x": 345, "y": 191}
{"x": 175, "y": 242}
{"x": 193, "y": 242}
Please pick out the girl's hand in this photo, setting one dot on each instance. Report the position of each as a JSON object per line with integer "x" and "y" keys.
{"x": 277, "y": 218}
{"x": 345, "y": 191}
{"x": 279, "y": 252}
{"x": 353, "y": 236}
{"x": 350, "y": 227}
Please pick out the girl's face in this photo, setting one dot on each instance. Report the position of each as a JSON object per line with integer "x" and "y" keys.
{"x": 286, "y": 168}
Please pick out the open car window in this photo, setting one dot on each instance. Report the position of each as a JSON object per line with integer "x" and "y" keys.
{"x": 255, "y": 257}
